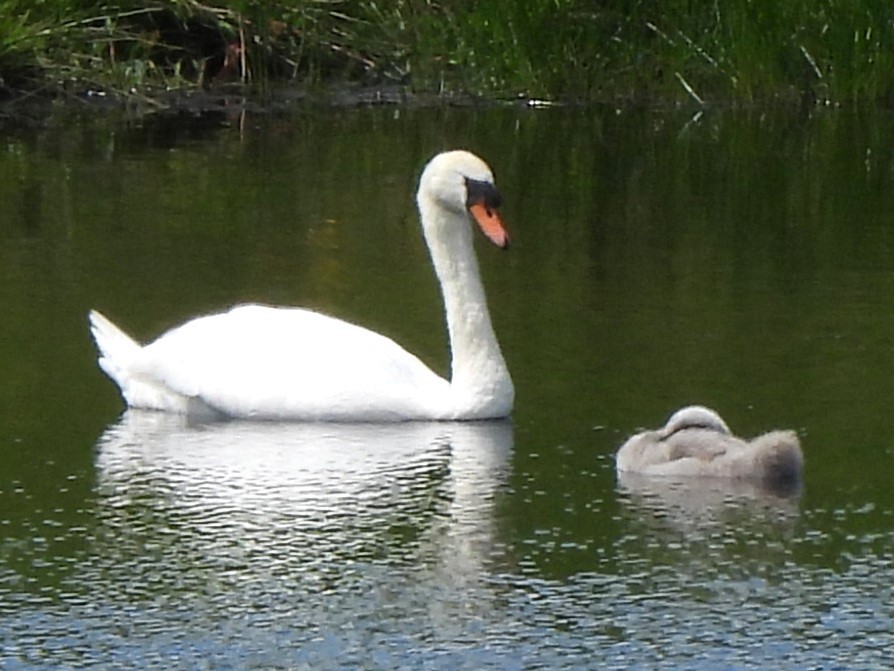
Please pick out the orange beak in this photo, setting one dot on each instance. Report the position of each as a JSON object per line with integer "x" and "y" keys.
{"x": 490, "y": 223}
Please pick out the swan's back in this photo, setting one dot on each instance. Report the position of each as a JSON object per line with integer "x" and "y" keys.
{"x": 276, "y": 363}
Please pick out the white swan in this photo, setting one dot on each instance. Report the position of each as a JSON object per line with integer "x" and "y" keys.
{"x": 261, "y": 362}
{"x": 696, "y": 441}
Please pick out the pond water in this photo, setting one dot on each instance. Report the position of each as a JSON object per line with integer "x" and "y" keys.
{"x": 743, "y": 260}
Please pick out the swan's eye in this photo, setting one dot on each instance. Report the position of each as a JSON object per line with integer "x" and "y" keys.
{"x": 480, "y": 191}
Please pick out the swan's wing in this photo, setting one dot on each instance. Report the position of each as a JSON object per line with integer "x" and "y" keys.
{"x": 702, "y": 444}
{"x": 257, "y": 361}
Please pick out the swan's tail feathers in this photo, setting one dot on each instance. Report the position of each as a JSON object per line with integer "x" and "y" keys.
{"x": 119, "y": 358}
{"x": 781, "y": 458}
{"x": 117, "y": 349}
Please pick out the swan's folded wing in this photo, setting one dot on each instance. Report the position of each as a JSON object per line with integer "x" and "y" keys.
{"x": 700, "y": 444}
{"x": 257, "y": 361}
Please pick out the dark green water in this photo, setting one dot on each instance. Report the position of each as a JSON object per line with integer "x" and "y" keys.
{"x": 740, "y": 260}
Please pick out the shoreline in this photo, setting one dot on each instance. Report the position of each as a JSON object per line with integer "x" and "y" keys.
{"x": 183, "y": 53}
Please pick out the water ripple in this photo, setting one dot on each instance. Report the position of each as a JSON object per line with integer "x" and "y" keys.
{"x": 238, "y": 546}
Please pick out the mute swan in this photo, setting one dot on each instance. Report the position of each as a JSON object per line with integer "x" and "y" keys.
{"x": 260, "y": 362}
{"x": 696, "y": 441}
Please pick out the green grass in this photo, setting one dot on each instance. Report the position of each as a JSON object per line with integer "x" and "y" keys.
{"x": 737, "y": 51}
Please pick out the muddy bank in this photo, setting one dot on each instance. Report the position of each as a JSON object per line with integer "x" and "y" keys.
{"x": 38, "y": 109}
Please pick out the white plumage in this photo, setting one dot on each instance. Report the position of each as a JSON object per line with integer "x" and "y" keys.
{"x": 265, "y": 362}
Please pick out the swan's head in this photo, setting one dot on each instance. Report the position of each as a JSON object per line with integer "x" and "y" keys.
{"x": 694, "y": 417}
{"x": 460, "y": 182}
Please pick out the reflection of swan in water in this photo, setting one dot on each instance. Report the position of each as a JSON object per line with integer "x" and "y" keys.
{"x": 705, "y": 498}
{"x": 305, "y": 501}
{"x": 697, "y": 442}
{"x": 714, "y": 532}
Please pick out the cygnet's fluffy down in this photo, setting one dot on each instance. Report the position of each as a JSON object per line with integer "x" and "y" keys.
{"x": 696, "y": 441}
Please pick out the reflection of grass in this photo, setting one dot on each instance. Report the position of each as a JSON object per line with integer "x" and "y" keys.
{"x": 742, "y": 50}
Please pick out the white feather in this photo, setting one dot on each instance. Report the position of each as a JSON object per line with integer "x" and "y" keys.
{"x": 289, "y": 363}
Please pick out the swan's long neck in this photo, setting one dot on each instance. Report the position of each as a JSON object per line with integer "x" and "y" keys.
{"x": 480, "y": 382}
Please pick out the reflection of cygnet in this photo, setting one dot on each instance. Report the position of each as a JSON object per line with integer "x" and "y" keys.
{"x": 696, "y": 441}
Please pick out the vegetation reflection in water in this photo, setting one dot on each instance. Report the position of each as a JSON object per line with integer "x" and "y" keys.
{"x": 738, "y": 260}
